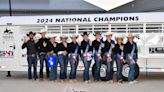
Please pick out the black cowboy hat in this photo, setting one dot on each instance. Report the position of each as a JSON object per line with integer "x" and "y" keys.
{"x": 85, "y": 33}
{"x": 30, "y": 33}
{"x": 97, "y": 32}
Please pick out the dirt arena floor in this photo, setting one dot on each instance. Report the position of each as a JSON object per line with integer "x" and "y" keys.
{"x": 152, "y": 82}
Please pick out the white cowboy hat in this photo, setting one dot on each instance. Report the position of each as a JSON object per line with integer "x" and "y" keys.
{"x": 74, "y": 35}
{"x": 63, "y": 36}
{"x": 43, "y": 30}
{"x": 119, "y": 36}
{"x": 51, "y": 36}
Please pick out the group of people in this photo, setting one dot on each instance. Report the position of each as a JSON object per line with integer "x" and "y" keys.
{"x": 101, "y": 51}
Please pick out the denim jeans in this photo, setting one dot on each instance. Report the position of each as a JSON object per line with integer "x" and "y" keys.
{"x": 74, "y": 65}
{"x": 131, "y": 76}
{"x": 98, "y": 66}
{"x": 119, "y": 66}
{"x": 109, "y": 71}
{"x": 42, "y": 58}
{"x": 86, "y": 68}
{"x": 32, "y": 61}
{"x": 63, "y": 61}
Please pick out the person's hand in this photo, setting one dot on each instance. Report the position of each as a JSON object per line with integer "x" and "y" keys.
{"x": 103, "y": 45}
{"x": 121, "y": 47}
{"x": 90, "y": 42}
{"x": 35, "y": 40}
{"x": 113, "y": 45}
{"x": 26, "y": 40}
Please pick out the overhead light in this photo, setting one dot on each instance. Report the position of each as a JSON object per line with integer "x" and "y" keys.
{"x": 108, "y": 4}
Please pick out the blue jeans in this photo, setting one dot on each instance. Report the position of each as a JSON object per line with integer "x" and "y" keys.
{"x": 86, "y": 68}
{"x": 98, "y": 66}
{"x": 109, "y": 71}
{"x": 32, "y": 60}
{"x": 119, "y": 66}
{"x": 63, "y": 66}
{"x": 131, "y": 76}
{"x": 42, "y": 58}
{"x": 74, "y": 65}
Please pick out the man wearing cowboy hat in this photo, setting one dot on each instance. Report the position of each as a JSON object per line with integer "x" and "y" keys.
{"x": 42, "y": 46}
{"x": 86, "y": 51}
{"x": 31, "y": 54}
{"x": 63, "y": 57}
{"x": 109, "y": 45}
{"x": 97, "y": 45}
{"x": 73, "y": 56}
{"x": 53, "y": 52}
{"x": 131, "y": 56}
{"x": 119, "y": 54}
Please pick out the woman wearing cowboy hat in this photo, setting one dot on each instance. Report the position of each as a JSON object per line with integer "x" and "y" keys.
{"x": 42, "y": 46}
{"x": 73, "y": 57}
{"x": 63, "y": 57}
{"x": 31, "y": 54}
{"x": 53, "y": 52}
{"x": 86, "y": 51}
{"x": 118, "y": 52}
{"x": 131, "y": 56}
{"x": 108, "y": 56}
{"x": 97, "y": 46}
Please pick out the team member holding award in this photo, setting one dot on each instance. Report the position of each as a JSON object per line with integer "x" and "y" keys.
{"x": 86, "y": 53}
{"x": 131, "y": 56}
{"x": 97, "y": 45}
{"x": 63, "y": 57}
{"x": 119, "y": 54}
{"x": 73, "y": 57}
{"x": 52, "y": 58}
{"x": 108, "y": 56}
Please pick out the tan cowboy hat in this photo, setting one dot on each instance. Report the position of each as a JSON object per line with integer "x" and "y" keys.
{"x": 63, "y": 36}
{"x": 109, "y": 33}
{"x": 51, "y": 36}
{"x": 119, "y": 37}
{"x": 130, "y": 35}
{"x": 97, "y": 33}
{"x": 74, "y": 35}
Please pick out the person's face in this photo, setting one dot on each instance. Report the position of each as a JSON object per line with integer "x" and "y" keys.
{"x": 109, "y": 37}
{"x": 74, "y": 39}
{"x": 64, "y": 39}
{"x": 85, "y": 37}
{"x": 53, "y": 39}
{"x": 31, "y": 36}
{"x": 119, "y": 40}
{"x": 43, "y": 34}
{"x": 130, "y": 39}
{"x": 98, "y": 36}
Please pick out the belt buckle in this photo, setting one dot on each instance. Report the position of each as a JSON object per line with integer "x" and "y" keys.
{"x": 33, "y": 55}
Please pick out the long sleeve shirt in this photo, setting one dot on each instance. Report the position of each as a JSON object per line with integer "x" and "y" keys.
{"x": 42, "y": 45}
{"x": 117, "y": 49}
{"x": 107, "y": 46}
{"x": 31, "y": 47}
{"x": 128, "y": 48}
{"x": 96, "y": 45}
{"x": 84, "y": 45}
{"x": 53, "y": 47}
{"x": 72, "y": 47}
{"x": 61, "y": 47}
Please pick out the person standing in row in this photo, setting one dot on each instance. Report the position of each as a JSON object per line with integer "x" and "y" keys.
{"x": 119, "y": 54}
{"x": 42, "y": 46}
{"x": 30, "y": 44}
{"x": 131, "y": 56}
{"x": 53, "y": 52}
{"x": 63, "y": 57}
{"x": 109, "y": 45}
{"x": 86, "y": 52}
{"x": 73, "y": 55}
{"x": 97, "y": 45}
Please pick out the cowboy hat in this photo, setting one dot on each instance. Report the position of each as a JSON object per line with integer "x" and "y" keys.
{"x": 51, "y": 36}
{"x": 63, "y": 36}
{"x": 109, "y": 33}
{"x": 97, "y": 33}
{"x": 119, "y": 36}
{"x": 43, "y": 30}
{"x": 85, "y": 33}
{"x": 74, "y": 35}
{"x": 130, "y": 35}
{"x": 31, "y": 33}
